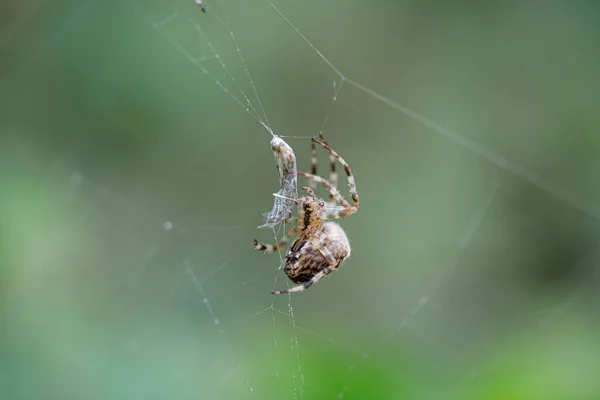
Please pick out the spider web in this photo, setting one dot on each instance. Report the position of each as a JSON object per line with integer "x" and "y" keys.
{"x": 474, "y": 251}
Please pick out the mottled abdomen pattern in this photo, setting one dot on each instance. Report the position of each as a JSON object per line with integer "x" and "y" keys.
{"x": 301, "y": 269}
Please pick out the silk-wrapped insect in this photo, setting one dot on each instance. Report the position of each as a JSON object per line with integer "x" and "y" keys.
{"x": 286, "y": 197}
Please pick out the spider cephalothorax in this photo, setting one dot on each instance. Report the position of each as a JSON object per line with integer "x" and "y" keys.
{"x": 321, "y": 246}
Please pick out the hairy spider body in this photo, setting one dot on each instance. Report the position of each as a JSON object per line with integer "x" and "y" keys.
{"x": 304, "y": 260}
{"x": 321, "y": 246}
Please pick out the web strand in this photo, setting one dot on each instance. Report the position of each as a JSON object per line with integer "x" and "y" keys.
{"x": 248, "y": 105}
{"x": 273, "y": 309}
{"x": 494, "y": 158}
{"x": 77, "y": 185}
{"x": 463, "y": 244}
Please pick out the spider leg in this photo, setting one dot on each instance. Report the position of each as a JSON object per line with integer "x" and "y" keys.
{"x": 311, "y": 191}
{"x": 318, "y": 276}
{"x": 307, "y": 284}
{"x": 351, "y": 182}
{"x": 336, "y": 214}
{"x": 333, "y": 176}
{"x": 313, "y": 164}
{"x": 269, "y": 248}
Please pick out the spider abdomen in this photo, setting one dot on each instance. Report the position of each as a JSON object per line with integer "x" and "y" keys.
{"x": 304, "y": 260}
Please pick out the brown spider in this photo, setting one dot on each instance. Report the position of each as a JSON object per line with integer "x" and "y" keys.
{"x": 322, "y": 246}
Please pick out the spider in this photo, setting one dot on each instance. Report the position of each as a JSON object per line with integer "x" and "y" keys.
{"x": 322, "y": 246}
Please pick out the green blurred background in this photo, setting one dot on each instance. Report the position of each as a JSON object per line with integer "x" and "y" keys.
{"x": 132, "y": 178}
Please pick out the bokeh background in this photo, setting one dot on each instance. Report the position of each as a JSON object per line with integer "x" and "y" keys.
{"x": 134, "y": 170}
